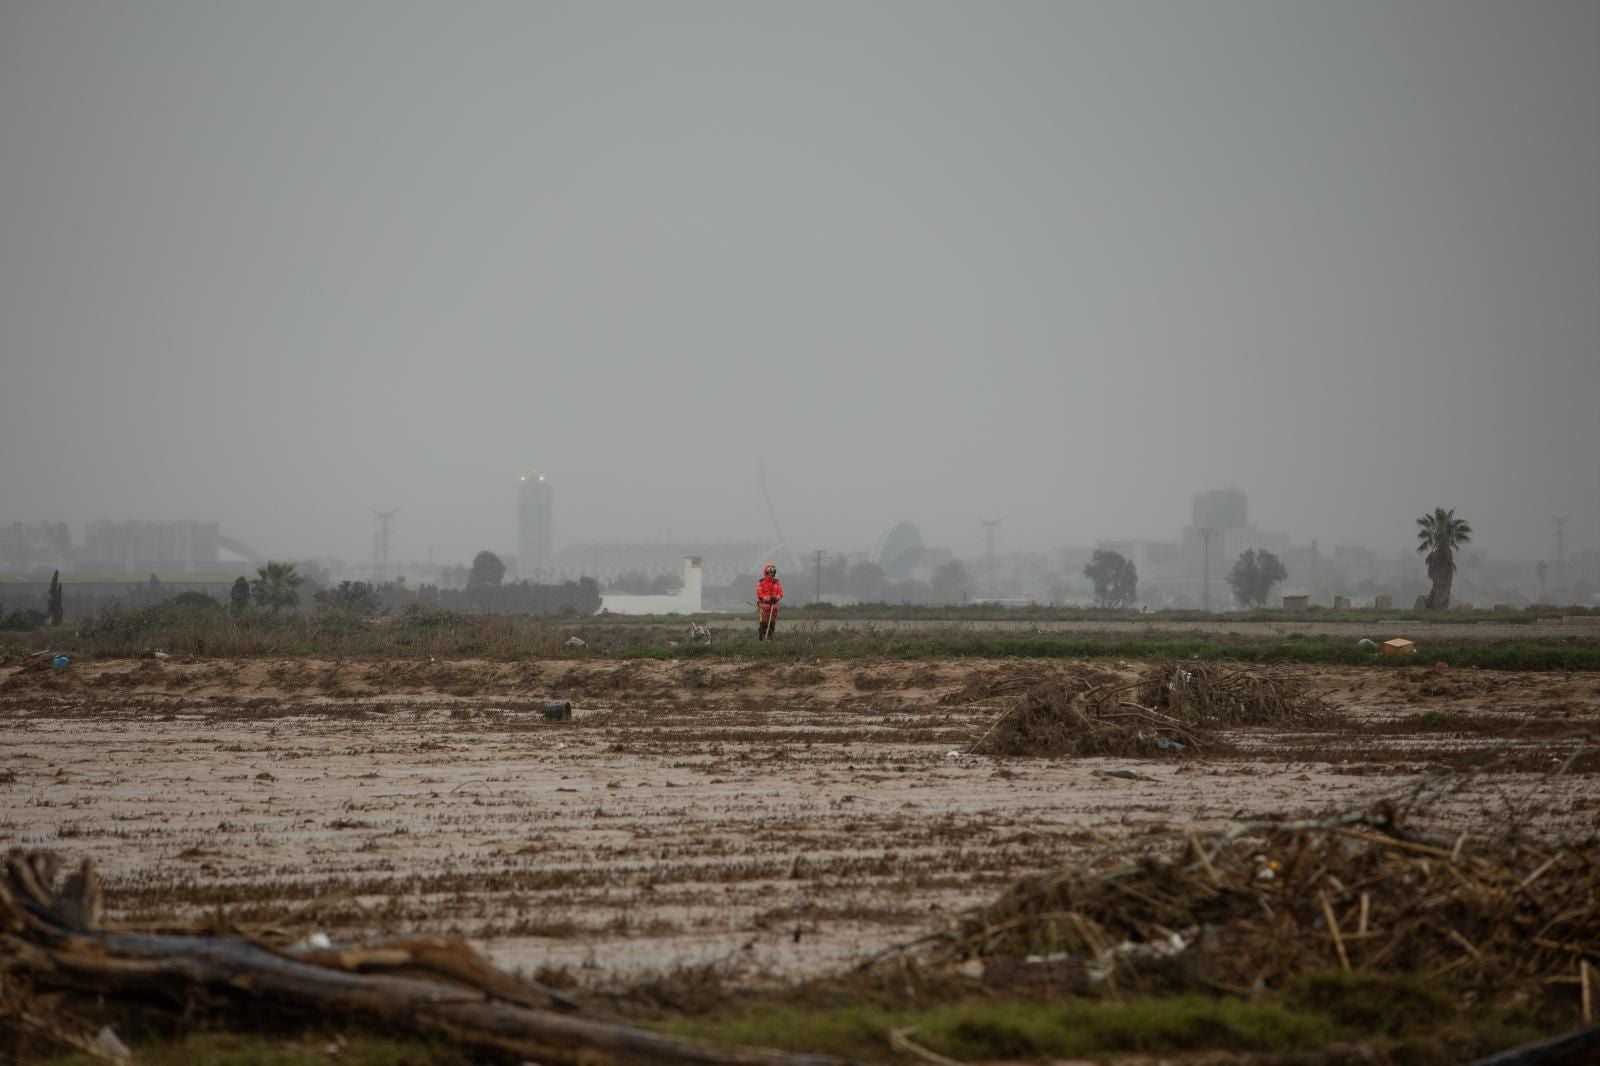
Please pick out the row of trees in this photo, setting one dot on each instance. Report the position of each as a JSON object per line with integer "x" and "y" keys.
{"x": 276, "y": 588}
{"x": 867, "y": 582}
{"x": 1254, "y": 573}
{"x": 1116, "y": 578}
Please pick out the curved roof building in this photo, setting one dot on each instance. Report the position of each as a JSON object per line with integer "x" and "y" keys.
{"x": 899, "y": 550}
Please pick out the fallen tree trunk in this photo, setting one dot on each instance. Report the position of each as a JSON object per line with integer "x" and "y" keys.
{"x": 53, "y": 940}
{"x": 1579, "y": 1048}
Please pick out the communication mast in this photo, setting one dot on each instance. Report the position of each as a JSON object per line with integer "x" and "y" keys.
{"x": 1560, "y": 524}
{"x": 989, "y": 526}
{"x": 1205, "y": 569}
{"x": 380, "y": 545}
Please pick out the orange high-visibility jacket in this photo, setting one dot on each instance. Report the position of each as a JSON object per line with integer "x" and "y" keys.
{"x": 769, "y": 590}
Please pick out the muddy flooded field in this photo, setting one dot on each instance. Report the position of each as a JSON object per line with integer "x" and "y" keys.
{"x": 791, "y": 819}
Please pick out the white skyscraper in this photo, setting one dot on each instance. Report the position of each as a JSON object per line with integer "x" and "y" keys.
{"x": 533, "y": 526}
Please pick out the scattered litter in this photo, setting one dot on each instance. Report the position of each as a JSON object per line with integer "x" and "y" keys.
{"x": 1367, "y": 643}
{"x": 1169, "y": 745}
{"x": 60, "y": 661}
{"x": 107, "y": 1043}
{"x": 558, "y": 712}
{"x": 577, "y": 642}
{"x": 1040, "y": 960}
{"x": 314, "y": 942}
{"x": 1399, "y": 646}
{"x": 1124, "y": 775}
{"x": 159, "y": 654}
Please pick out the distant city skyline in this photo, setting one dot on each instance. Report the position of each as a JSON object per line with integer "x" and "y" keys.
{"x": 532, "y": 540}
{"x": 120, "y": 554}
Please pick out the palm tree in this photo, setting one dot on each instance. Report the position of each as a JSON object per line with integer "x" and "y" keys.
{"x": 1439, "y": 535}
{"x": 275, "y": 586}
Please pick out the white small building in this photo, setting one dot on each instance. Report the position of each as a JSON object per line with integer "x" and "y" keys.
{"x": 685, "y": 601}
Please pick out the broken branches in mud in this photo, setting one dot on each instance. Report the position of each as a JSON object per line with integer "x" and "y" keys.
{"x": 1173, "y": 707}
{"x": 1263, "y": 903}
{"x": 51, "y": 941}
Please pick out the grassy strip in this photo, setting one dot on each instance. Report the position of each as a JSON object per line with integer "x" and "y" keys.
{"x": 1398, "y": 1019}
{"x": 184, "y": 630}
{"x": 1521, "y": 655}
{"x": 1409, "y": 1020}
{"x": 1360, "y": 616}
{"x": 989, "y": 1031}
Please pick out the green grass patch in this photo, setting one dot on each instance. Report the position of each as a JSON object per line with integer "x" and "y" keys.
{"x": 1377, "y": 1005}
{"x": 986, "y": 1031}
{"x": 1079, "y": 1028}
{"x": 185, "y": 630}
{"x": 803, "y": 646}
{"x": 1045, "y": 613}
{"x": 1400, "y": 1019}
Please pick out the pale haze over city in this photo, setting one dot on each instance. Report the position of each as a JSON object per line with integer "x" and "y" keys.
{"x": 1064, "y": 265}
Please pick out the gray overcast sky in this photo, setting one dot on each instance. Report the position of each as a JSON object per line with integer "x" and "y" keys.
{"x": 279, "y": 264}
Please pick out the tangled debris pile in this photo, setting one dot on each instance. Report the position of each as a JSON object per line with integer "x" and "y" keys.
{"x": 1172, "y": 707}
{"x": 64, "y": 979}
{"x": 1229, "y": 696}
{"x": 1258, "y": 905}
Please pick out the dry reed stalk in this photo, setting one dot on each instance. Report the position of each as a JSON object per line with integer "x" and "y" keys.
{"x": 1586, "y": 976}
{"x": 1333, "y": 931}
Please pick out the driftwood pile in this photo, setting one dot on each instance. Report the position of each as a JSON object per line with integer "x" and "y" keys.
{"x": 1260, "y": 904}
{"x": 63, "y": 976}
{"x": 1173, "y": 708}
{"x": 1219, "y": 696}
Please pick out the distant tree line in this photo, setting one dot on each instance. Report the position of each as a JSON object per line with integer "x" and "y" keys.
{"x": 277, "y": 589}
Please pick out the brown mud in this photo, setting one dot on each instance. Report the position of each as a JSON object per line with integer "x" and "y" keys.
{"x": 790, "y": 819}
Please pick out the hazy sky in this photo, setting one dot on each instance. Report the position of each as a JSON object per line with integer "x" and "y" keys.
{"x": 279, "y": 264}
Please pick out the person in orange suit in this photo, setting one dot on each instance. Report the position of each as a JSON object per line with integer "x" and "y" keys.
{"x": 769, "y": 591}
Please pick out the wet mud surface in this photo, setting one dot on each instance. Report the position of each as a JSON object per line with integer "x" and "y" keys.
{"x": 793, "y": 819}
